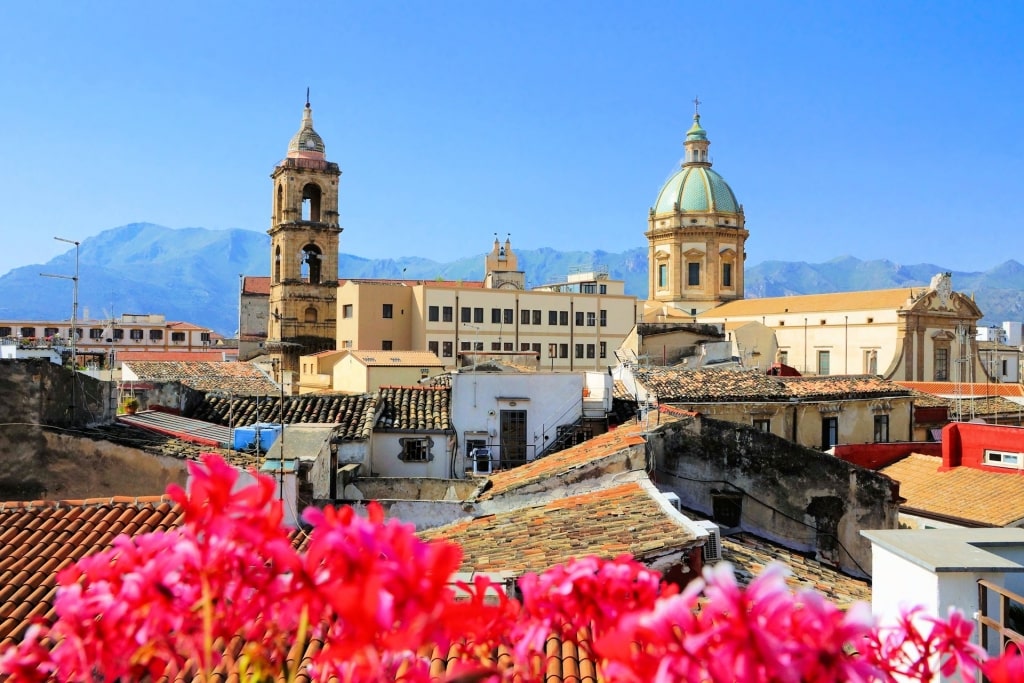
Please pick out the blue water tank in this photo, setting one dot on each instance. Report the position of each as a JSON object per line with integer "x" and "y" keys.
{"x": 244, "y": 438}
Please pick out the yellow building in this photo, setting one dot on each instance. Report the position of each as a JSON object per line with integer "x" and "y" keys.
{"x": 304, "y": 234}
{"x": 571, "y": 325}
{"x": 362, "y": 371}
{"x": 696, "y": 237}
{"x": 912, "y": 333}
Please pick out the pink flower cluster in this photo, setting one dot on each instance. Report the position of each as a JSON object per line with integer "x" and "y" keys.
{"x": 372, "y": 602}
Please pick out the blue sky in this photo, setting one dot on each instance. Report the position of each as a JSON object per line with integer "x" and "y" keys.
{"x": 873, "y": 129}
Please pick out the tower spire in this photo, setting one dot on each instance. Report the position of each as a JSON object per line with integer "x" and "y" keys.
{"x": 307, "y": 97}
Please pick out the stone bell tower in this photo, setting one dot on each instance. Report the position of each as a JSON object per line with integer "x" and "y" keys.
{"x": 304, "y": 234}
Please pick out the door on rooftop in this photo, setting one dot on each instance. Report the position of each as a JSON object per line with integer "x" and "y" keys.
{"x": 513, "y": 438}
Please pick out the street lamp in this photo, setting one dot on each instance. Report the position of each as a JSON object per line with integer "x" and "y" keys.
{"x": 74, "y": 317}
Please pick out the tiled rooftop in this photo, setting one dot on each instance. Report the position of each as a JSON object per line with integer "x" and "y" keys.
{"x": 966, "y": 389}
{"x": 871, "y": 300}
{"x": 40, "y": 538}
{"x": 715, "y": 385}
{"x": 354, "y": 413}
{"x": 563, "y": 462}
{"x": 989, "y": 406}
{"x": 179, "y": 356}
{"x": 984, "y": 497}
{"x": 605, "y": 522}
{"x": 415, "y": 408}
{"x": 749, "y": 556}
{"x": 237, "y": 378}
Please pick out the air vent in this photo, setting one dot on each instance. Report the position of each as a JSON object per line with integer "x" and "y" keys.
{"x": 713, "y": 546}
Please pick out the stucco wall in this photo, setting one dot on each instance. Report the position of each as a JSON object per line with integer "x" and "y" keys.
{"x": 796, "y": 496}
{"x": 387, "y": 447}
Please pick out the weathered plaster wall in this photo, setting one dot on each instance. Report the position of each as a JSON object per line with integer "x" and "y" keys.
{"x": 796, "y": 496}
{"x": 423, "y": 514}
{"x": 59, "y": 466}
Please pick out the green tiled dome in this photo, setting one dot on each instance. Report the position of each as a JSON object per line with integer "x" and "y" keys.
{"x": 696, "y": 188}
{"x": 307, "y": 139}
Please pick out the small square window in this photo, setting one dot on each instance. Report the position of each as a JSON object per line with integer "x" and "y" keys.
{"x": 388, "y": 311}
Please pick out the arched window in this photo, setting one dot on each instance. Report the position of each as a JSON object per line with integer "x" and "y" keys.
{"x": 310, "y": 315}
{"x": 279, "y": 207}
{"x": 277, "y": 264}
{"x": 311, "y": 203}
{"x": 311, "y": 260}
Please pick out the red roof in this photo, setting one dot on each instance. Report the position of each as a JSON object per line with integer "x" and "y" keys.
{"x": 967, "y": 389}
{"x": 181, "y": 356}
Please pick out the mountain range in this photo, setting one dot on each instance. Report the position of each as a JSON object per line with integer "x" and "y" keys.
{"x": 192, "y": 274}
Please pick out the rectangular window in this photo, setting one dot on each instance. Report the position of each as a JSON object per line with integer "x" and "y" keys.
{"x": 881, "y": 429}
{"x": 118, "y": 334}
{"x": 495, "y": 315}
{"x": 524, "y": 346}
{"x": 177, "y": 336}
{"x": 727, "y": 275}
{"x": 415, "y": 450}
{"x": 495, "y": 346}
{"x": 763, "y": 425}
{"x": 508, "y": 317}
{"x": 1003, "y": 459}
{"x": 388, "y": 311}
{"x": 385, "y": 345}
{"x": 446, "y": 349}
{"x": 829, "y": 432}
{"x": 563, "y": 350}
{"x": 465, "y": 346}
{"x": 603, "y": 289}
{"x": 941, "y": 365}
{"x": 663, "y": 275}
{"x": 433, "y": 347}
{"x": 693, "y": 274}
{"x": 346, "y": 311}
{"x": 94, "y": 333}
{"x": 347, "y": 344}
{"x": 589, "y": 288}
{"x": 136, "y": 335}
{"x": 536, "y": 349}
{"x": 871, "y": 362}
{"x": 478, "y": 346}
{"x": 47, "y": 331}
{"x": 823, "y": 362}
{"x": 590, "y": 350}
{"x": 563, "y": 318}
{"x": 433, "y": 313}
{"x": 783, "y": 357}
{"x": 591, "y": 319}
{"x": 446, "y": 314}
{"x": 1005, "y": 368}
{"x": 467, "y": 316}
{"x": 508, "y": 346}
{"x": 6, "y": 332}
{"x": 579, "y": 318}
{"x": 204, "y": 337}
{"x": 478, "y": 315}
{"x": 536, "y": 317}
{"x": 603, "y": 322}
{"x": 552, "y": 317}
{"x": 156, "y": 335}
{"x": 579, "y": 350}
{"x": 524, "y": 316}
{"x": 603, "y": 349}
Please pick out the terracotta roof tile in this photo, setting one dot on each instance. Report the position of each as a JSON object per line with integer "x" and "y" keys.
{"x": 979, "y": 496}
{"x": 967, "y": 389}
{"x": 870, "y": 300}
{"x": 397, "y": 358}
{"x": 41, "y": 537}
{"x": 237, "y": 378}
{"x": 617, "y": 440}
{"x": 605, "y": 522}
{"x": 715, "y": 385}
{"x": 415, "y": 408}
{"x": 355, "y": 413}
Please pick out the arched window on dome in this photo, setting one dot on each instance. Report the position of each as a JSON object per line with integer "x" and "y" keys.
{"x": 311, "y": 202}
{"x": 310, "y": 264}
{"x": 277, "y": 264}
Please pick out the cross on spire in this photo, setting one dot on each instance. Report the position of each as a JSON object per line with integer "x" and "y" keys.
{"x": 696, "y": 106}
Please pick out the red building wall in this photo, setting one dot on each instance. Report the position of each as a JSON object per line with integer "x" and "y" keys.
{"x": 964, "y": 444}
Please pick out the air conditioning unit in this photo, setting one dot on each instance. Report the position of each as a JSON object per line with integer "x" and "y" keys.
{"x": 672, "y": 498}
{"x": 713, "y": 546}
{"x": 481, "y": 460}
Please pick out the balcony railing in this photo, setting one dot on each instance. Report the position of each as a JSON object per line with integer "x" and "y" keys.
{"x": 1000, "y": 613}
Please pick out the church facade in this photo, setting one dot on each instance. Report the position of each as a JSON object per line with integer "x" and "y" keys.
{"x": 696, "y": 236}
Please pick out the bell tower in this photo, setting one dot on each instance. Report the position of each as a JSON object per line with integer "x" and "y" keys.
{"x": 304, "y": 234}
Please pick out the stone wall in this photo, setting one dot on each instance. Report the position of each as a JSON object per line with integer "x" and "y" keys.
{"x": 798, "y": 497}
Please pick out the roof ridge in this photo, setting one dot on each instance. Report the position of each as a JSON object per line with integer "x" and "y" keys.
{"x": 137, "y": 501}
